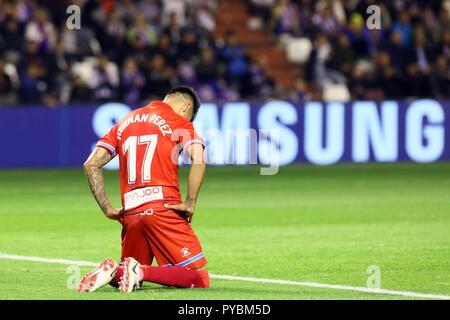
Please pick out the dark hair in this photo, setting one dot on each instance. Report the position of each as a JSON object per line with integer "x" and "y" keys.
{"x": 186, "y": 90}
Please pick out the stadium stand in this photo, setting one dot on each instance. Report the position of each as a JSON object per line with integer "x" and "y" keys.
{"x": 228, "y": 50}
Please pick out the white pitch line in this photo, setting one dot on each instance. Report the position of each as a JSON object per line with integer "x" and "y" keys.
{"x": 335, "y": 286}
{"x": 250, "y": 279}
{"x": 48, "y": 260}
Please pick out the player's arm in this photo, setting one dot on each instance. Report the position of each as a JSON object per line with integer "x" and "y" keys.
{"x": 196, "y": 174}
{"x": 93, "y": 169}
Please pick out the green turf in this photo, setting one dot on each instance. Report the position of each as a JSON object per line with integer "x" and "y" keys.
{"x": 319, "y": 224}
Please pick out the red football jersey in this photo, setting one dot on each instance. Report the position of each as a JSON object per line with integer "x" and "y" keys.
{"x": 148, "y": 142}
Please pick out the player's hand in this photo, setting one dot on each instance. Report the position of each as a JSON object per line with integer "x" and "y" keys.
{"x": 184, "y": 209}
{"x": 114, "y": 214}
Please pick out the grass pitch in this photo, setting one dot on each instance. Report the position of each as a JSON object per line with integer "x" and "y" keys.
{"x": 319, "y": 224}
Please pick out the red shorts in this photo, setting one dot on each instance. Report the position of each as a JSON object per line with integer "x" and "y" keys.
{"x": 156, "y": 232}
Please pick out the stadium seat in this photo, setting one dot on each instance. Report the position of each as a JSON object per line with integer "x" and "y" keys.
{"x": 336, "y": 92}
{"x": 298, "y": 50}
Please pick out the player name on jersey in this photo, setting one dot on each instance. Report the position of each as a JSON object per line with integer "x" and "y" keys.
{"x": 147, "y": 117}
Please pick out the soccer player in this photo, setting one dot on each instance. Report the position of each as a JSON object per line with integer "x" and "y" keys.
{"x": 155, "y": 221}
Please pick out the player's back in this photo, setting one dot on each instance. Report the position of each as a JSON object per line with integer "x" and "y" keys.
{"x": 148, "y": 141}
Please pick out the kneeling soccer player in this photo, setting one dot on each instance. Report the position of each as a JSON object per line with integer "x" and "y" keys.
{"x": 156, "y": 223}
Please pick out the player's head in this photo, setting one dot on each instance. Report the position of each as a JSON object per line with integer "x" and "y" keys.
{"x": 184, "y": 101}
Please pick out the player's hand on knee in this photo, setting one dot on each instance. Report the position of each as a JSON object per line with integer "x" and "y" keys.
{"x": 182, "y": 208}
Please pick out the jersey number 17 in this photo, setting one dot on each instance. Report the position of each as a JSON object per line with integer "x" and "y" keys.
{"x": 131, "y": 144}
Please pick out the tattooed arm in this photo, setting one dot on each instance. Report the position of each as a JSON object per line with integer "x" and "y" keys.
{"x": 93, "y": 170}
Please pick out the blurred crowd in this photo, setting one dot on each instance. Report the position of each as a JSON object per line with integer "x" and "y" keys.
{"x": 133, "y": 50}
{"x": 128, "y": 51}
{"x": 409, "y": 56}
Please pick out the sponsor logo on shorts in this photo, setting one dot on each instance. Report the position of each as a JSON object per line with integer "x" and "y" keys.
{"x": 185, "y": 251}
{"x": 140, "y": 196}
{"x": 147, "y": 212}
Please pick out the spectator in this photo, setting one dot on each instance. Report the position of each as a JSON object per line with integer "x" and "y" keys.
{"x": 80, "y": 93}
{"x": 284, "y": 13}
{"x": 33, "y": 72}
{"x": 174, "y": 8}
{"x": 150, "y": 9}
{"x": 113, "y": 35}
{"x": 441, "y": 78}
{"x": 8, "y": 94}
{"x": 396, "y": 51}
{"x": 204, "y": 18}
{"x": 127, "y": 10}
{"x": 355, "y": 33}
{"x": 132, "y": 81}
{"x": 420, "y": 63}
{"x": 188, "y": 47}
{"x": 387, "y": 77}
{"x": 421, "y": 54}
{"x": 321, "y": 56}
{"x": 444, "y": 19}
{"x": 262, "y": 8}
{"x": 160, "y": 77}
{"x": 105, "y": 79}
{"x": 79, "y": 42}
{"x": 141, "y": 35}
{"x": 444, "y": 47}
{"x": 11, "y": 38}
{"x": 260, "y": 85}
{"x": 325, "y": 21}
{"x": 300, "y": 93}
{"x": 343, "y": 57}
{"x": 404, "y": 27}
{"x": 207, "y": 67}
{"x": 305, "y": 17}
{"x": 173, "y": 28}
{"x": 237, "y": 65}
{"x": 166, "y": 49}
{"x": 60, "y": 69}
{"x": 41, "y": 30}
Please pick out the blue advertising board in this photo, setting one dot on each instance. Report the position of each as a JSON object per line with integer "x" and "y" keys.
{"x": 243, "y": 133}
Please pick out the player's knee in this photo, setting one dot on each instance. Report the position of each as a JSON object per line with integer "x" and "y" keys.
{"x": 199, "y": 278}
{"x": 204, "y": 278}
{"x": 201, "y": 268}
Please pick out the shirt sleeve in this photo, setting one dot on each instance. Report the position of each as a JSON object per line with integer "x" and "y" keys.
{"x": 188, "y": 136}
{"x": 109, "y": 142}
